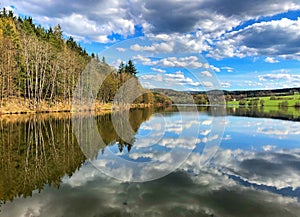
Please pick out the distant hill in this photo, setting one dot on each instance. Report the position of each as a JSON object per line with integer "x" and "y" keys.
{"x": 239, "y": 94}
{"x": 253, "y": 93}
{"x": 201, "y": 97}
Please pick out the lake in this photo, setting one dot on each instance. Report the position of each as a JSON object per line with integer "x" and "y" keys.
{"x": 178, "y": 161}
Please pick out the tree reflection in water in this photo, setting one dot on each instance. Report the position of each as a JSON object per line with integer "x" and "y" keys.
{"x": 38, "y": 150}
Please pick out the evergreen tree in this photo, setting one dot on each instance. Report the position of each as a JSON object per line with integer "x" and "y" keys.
{"x": 131, "y": 68}
{"x": 71, "y": 43}
{"x": 11, "y": 14}
{"x": 3, "y": 13}
{"x": 126, "y": 69}
{"x": 50, "y": 31}
{"x": 58, "y": 32}
{"x": 121, "y": 68}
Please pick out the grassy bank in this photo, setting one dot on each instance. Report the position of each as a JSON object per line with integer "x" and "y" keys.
{"x": 21, "y": 106}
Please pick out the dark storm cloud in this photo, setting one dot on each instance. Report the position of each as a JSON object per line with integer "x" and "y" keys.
{"x": 210, "y": 19}
{"x": 182, "y": 16}
{"x": 165, "y": 16}
{"x": 252, "y": 8}
{"x": 171, "y": 16}
{"x": 274, "y": 38}
{"x": 59, "y": 8}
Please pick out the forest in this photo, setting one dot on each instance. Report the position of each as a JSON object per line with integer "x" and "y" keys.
{"x": 39, "y": 68}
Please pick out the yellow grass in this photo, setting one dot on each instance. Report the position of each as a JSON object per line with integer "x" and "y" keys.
{"x": 21, "y": 106}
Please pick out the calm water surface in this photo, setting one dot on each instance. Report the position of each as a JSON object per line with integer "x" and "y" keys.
{"x": 240, "y": 163}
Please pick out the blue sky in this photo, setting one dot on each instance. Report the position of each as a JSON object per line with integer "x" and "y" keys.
{"x": 195, "y": 45}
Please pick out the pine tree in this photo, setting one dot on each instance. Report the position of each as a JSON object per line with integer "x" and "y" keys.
{"x": 3, "y": 13}
{"x": 131, "y": 68}
{"x": 126, "y": 69}
{"x": 121, "y": 68}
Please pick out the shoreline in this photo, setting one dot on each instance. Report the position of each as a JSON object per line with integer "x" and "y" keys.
{"x": 13, "y": 108}
{"x": 17, "y": 106}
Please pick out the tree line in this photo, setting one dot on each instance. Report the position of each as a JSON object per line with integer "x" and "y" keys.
{"x": 35, "y": 63}
{"x": 39, "y": 65}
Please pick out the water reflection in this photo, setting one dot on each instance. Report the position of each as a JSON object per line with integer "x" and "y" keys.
{"x": 41, "y": 149}
{"x": 161, "y": 144}
{"x": 285, "y": 113}
{"x": 35, "y": 150}
{"x": 255, "y": 171}
{"x": 90, "y": 127}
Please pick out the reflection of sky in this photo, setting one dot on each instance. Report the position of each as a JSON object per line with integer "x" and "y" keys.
{"x": 185, "y": 192}
{"x": 262, "y": 153}
{"x": 162, "y": 134}
{"x": 256, "y": 171}
{"x": 258, "y": 133}
{"x": 171, "y": 138}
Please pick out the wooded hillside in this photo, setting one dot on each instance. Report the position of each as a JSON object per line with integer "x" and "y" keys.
{"x": 35, "y": 63}
{"x": 39, "y": 65}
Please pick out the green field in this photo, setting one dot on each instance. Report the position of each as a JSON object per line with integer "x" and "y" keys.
{"x": 270, "y": 101}
{"x": 285, "y": 105}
